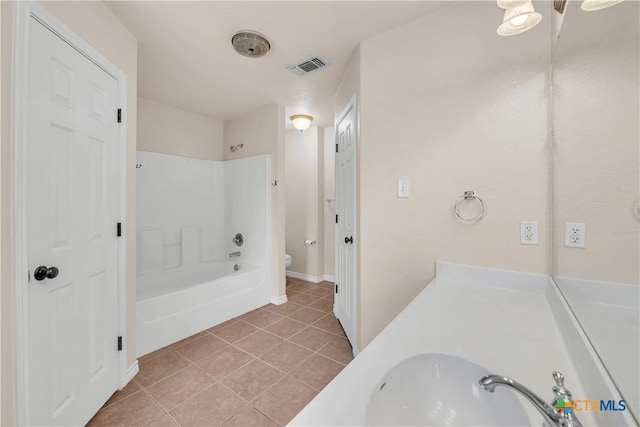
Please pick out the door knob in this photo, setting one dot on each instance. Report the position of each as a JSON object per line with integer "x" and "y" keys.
{"x": 43, "y": 272}
{"x": 348, "y": 239}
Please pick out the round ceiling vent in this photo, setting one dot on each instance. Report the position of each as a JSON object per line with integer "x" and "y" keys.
{"x": 250, "y": 44}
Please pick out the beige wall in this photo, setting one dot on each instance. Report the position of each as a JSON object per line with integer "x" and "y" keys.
{"x": 310, "y": 158}
{"x": 262, "y": 132}
{"x": 99, "y": 27}
{"x": 303, "y": 214}
{"x": 467, "y": 111}
{"x": 596, "y": 100}
{"x": 329, "y": 208}
{"x": 169, "y": 130}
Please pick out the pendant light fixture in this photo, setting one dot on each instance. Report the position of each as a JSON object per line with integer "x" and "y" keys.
{"x": 519, "y": 17}
{"x": 301, "y": 121}
{"x": 593, "y": 5}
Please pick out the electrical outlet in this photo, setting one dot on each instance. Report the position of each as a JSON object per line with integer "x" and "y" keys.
{"x": 528, "y": 232}
{"x": 575, "y": 235}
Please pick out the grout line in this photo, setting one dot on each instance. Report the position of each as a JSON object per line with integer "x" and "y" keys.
{"x": 285, "y": 374}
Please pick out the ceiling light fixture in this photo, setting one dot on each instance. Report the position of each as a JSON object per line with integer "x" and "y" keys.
{"x": 593, "y": 5}
{"x": 250, "y": 44}
{"x": 301, "y": 121}
{"x": 519, "y": 17}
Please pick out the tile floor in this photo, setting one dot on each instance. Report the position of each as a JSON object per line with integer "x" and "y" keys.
{"x": 259, "y": 369}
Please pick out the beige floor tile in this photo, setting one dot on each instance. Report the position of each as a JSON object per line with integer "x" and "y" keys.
{"x": 253, "y": 379}
{"x": 323, "y": 304}
{"x": 127, "y": 391}
{"x": 249, "y": 313}
{"x": 259, "y": 342}
{"x": 262, "y": 319}
{"x": 286, "y": 356}
{"x": 250, "y": 416}
{"x": 286, "y": 327}
{"x": 293, "y": 292}
{"x": 154, "y": 354}
{"x": 189, "y": 339}
{"x": 235, "y": 331}
{"x": 137, "y": 410}
{"x": 312, "y": 338}
{"x": 304, "y": 285}
{"x": 284, "y": 400}
{"x": 303, "y": 299}
{"x": 162, "y": 366}
{"x": 285, "y": 309}
{"x": 320, "y": 292}
{"x": 162, "y": 421}
{"x": 307, "y": 315}
{"x": 211, "y": 407}
{"x": 338, "y": 349}
{"x": 222, "y": 325}
{"x": 292, "y": 281}
{"x": 328, "y": 285}
{"x": 329, "y": 323}
{"x": 295, "y": 286}
{"x": 197, "y": 349}
{"x": 317, "y": 371}
{"x": 223, "y": 362}
{"x": 180, "y": 386}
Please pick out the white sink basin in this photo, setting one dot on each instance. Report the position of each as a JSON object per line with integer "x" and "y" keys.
{"x": 441, "y": 390}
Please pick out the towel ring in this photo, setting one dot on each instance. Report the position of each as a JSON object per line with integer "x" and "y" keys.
{"x": 469, "y": 195}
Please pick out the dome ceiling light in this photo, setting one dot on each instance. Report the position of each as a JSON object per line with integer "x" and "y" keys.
{"x": 250, "y": 44}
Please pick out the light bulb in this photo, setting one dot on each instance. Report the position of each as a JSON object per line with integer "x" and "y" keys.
{"x": 518, "y": 20}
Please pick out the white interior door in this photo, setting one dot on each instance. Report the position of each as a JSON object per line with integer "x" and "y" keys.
{"x": 72, "y": 138}
{"x": 345, "y": 297}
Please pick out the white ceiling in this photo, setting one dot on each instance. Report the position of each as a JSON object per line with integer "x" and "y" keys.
{"x": 186, "y": 59}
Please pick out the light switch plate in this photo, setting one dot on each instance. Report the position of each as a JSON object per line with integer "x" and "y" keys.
{"x": 403, "y": 188}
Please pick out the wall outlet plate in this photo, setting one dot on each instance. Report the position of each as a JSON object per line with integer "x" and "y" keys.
{"x": 529, "y": 233}
{"x": 575, "y": 234}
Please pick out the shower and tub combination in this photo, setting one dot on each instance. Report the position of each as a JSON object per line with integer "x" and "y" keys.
{"x": 203, "y": 244}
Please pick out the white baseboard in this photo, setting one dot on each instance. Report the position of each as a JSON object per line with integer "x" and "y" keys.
{"x": 312, "y": 279}
{"x": 132, "y": 371}
{"x": 278, "y": 300}
{"x": 305, "y": 277}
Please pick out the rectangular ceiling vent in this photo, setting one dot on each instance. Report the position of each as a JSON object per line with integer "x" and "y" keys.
{"x": 307, "y": 66}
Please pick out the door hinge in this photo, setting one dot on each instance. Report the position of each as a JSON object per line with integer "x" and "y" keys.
{"x": 336, "y": 288}
{"x": 336, "y": 218}
{"x": 119, "y": 115}
{"x": 119, "y": 229}
{"x": 119, "y": 343}
{"x": 336, "y": 148}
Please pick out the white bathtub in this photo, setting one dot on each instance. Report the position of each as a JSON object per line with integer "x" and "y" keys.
{"x": 177, "y": 303}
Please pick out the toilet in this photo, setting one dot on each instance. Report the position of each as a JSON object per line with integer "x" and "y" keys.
{"x": 287, "y": 260}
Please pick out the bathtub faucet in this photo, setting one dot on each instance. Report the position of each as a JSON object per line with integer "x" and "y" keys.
{"x": 558, "y": 413}
{"x": 235, "y": 254}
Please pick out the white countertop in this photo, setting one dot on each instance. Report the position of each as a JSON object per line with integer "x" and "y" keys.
{"x": 498, "y": 319}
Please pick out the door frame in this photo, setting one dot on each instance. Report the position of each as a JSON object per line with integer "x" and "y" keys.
{"x": 351, "y": 105}
{"x": 24, "y": 11}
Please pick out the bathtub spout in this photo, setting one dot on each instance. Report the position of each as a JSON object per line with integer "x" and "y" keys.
{"x": 235, "y": 254}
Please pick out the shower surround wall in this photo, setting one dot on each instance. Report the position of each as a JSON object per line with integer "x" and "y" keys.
{"x": 189, "y": 210}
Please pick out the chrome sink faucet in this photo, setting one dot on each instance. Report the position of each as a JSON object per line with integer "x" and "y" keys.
{"x": 558, "y": 413}
{"x": 235, "y": 254}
